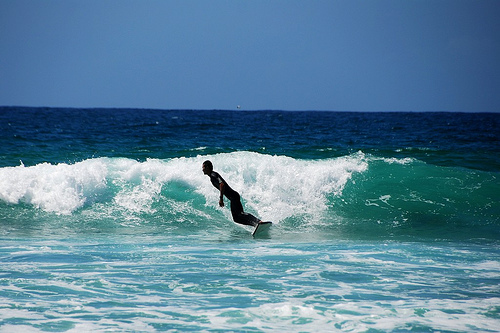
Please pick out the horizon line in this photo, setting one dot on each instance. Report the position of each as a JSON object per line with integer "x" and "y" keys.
{"x": 240, "y": 109}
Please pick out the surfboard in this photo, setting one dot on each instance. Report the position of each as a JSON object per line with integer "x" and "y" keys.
{"x": 262, "y": 229}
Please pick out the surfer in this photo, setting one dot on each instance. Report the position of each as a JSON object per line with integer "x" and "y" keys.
{"x": 239, "y": 216}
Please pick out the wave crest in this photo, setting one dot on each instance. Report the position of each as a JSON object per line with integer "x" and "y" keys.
{"x": 275, "y": 187}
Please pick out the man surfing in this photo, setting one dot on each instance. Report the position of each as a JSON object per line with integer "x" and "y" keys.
{"x": 239, "y": 216}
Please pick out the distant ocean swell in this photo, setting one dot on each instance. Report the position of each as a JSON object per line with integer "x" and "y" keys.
{"x": 357, "y": 195}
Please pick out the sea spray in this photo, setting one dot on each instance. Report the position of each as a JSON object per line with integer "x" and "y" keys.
{"x": 60, "y": 188}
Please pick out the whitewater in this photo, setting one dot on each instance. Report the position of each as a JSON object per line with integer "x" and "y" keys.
{"x": 383, "y": 222}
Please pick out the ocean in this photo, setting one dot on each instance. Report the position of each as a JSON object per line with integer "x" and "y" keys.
{"x": 382, "y": 221}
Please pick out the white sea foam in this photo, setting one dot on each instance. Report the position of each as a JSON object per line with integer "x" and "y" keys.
{"x": 137, "y": 284}
{"x": 60, "y": 188}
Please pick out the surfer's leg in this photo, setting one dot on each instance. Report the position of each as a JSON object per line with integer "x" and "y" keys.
{"x": 249, "y": 219}
{"x": 239, "y": 216}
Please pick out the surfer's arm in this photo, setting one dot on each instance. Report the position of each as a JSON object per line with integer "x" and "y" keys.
{"x": 221, "y": 198}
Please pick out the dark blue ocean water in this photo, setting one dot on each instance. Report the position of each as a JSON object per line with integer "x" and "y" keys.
{"x": 382, "y": 221}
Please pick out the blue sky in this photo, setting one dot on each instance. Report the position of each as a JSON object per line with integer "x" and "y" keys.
{"x": 381, "y": 55}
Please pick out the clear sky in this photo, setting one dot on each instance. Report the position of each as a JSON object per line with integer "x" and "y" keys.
{"x": 380, "y": 55}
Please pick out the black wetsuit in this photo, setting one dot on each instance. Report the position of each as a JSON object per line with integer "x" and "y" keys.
{"x": 239, "y": 216}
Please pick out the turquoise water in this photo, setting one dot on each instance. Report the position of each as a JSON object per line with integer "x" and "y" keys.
{"x": 229, "y": 282}
{"x": 382, "y": 222}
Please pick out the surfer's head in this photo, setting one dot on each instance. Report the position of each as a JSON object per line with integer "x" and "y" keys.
{"x": 207, "y": 167}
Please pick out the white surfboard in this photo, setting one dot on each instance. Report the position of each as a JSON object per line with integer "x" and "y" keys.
{"x": 262, "y": 229}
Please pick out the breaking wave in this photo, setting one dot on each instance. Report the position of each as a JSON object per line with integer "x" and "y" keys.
{"x": 355, "y": 194}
